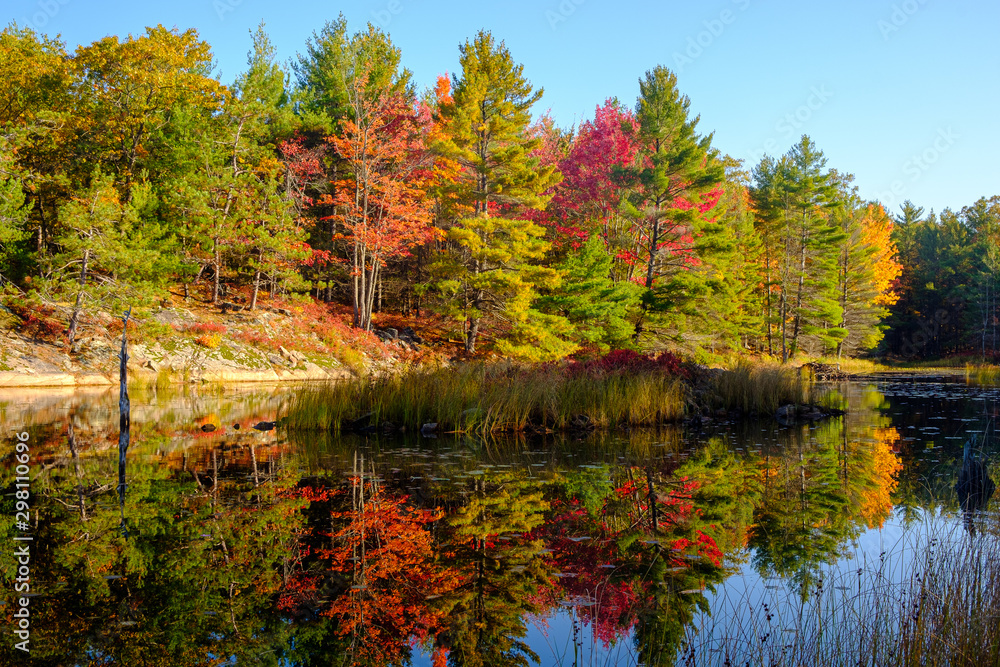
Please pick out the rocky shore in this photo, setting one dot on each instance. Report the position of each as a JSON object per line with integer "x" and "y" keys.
{"x": 174, "y": 358}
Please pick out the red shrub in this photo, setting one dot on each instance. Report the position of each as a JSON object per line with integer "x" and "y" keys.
{"x": 115, "y": 328}
{"x": 631, "y": 362}
{"x": 38, "y": 321}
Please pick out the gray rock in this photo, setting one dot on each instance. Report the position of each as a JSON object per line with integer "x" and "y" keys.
{"x": 360, "y": 423}
{"x": 785, "y": 414}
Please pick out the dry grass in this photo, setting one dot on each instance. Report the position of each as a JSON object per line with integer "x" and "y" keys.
{"x": 490, "y": 398}
{"x": 854, "y": 366}
{"x": 982, "y": 374}
{"x": 756, "y": 388}
{"x": 938, "y": 604}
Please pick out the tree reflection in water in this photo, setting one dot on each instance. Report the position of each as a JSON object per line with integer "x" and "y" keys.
{"x": 253, "y": 548}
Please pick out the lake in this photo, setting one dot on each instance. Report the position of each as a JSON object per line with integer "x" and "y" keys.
{"x": 734, "y": 542}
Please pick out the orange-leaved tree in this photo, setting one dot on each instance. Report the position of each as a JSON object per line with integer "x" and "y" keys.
{"x": 380, "y": 202}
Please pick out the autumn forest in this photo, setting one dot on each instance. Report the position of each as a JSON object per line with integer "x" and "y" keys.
{"x": 127, "y": 170}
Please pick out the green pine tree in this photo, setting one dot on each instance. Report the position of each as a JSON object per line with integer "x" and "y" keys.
{"x": 487, "y": 134}
{"x": 683, "y": 170}
{"x": 599, "y": 308}
{"x": 489, "y": 273}
{"x": 333, "y": 60}
{"x": 795, "y": 200}
{"x": 14, "y": 212}
{"x": 109, "y": 251}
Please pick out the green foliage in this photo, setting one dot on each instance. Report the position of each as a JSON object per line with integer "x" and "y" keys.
{"x": 680, "y": 172}
{"x": 260, "y": 103}
{"x": 487, "y": 122}
{"x": 110, "y": 251}
{"x": 598, "y": 308}
{"x": 796, "y": 202}
{"x": 591, "y": 486}
{"x": 491, "y": 276}
{"x": 333, "y": 60}
{"x": 237, "y": 184}
{"x": 13, "y": 217}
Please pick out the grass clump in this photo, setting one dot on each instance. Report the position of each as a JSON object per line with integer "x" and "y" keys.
{"x": 854, "y": 366}
{"x": 982, "y": 374}
{"x": 503, "y": 397}
{"x": 755, "y": 388}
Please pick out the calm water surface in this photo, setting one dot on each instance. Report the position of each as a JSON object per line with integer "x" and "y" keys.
{"x": 651, "y": 547}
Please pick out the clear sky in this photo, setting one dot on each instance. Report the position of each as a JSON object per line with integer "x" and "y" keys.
{"x": 904, "y": 94}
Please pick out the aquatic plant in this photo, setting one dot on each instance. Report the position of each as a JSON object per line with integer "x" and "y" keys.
{"x": 982, "y": 374}
{"x": 754, "y": 388}
{"x": 934, "y": 604}
{"x": 487, "y": 398}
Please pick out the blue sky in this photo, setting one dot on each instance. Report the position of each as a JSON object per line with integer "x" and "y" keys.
{"x": 904, "y": 94}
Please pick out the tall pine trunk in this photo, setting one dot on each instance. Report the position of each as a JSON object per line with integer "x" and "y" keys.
{"x": 654, "y": 239}
{"x": 217, "y": 264}
{"x": 767, "y": 299}
{"x": 798, "y": 291}
{"x": 256, "y": 283}
{"x": 473, "y": 333}
{"x": 75, "y": 319}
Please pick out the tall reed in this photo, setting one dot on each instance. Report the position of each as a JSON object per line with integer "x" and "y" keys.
{"x": 982, "y": 374}
{"x": 756, "y": 388}
{"x": 932, "y": 603}
{"x": 484, "y": 398}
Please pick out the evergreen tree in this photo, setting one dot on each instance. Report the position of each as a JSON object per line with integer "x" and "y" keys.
{"x": 679, "y": 178}
{"x": 767, "y": 196}
{"x": 228, "y": 200}
{"x": 487, "y": 135}
{"x": 794, "y": 199}
{"x": 489, "y": 272}
{"x": 488, "y": 121}
{"x": 710, "y": 304}
{"x": 14, "y": 213}
{"x": 867, "y": 270}
{"x": 331, "y": 64}
{"x": 110, "y": 251}
{"x": 983, "y": 220}
{"x": 599, "y": 308}
{"x": 811, "y": 271}
{"x": 260, "y": 113}
{"x": 259, "y": 106}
